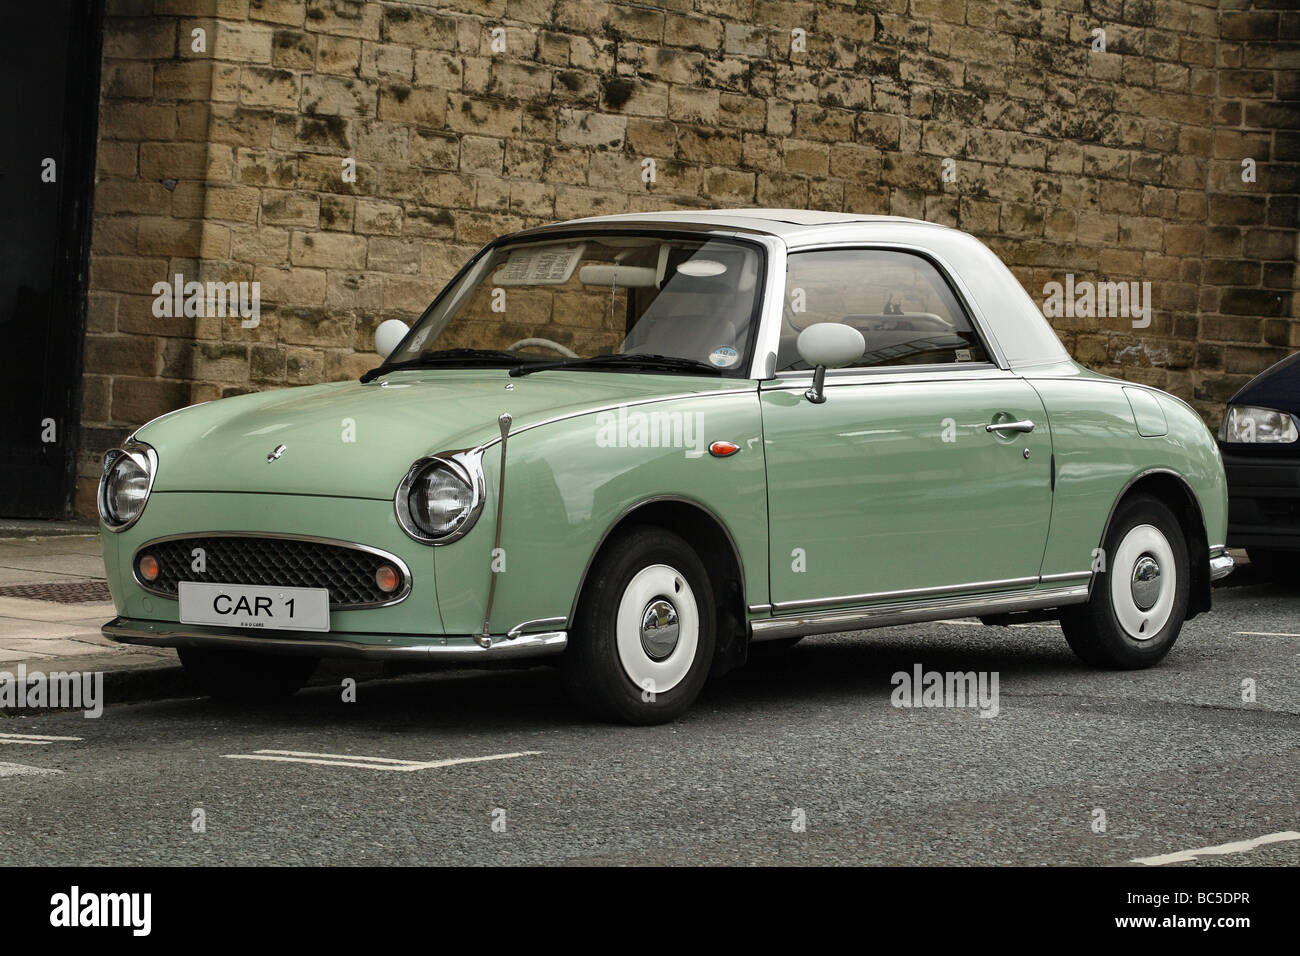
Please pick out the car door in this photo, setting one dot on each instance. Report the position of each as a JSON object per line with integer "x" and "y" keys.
{"x": 926, "y": 470}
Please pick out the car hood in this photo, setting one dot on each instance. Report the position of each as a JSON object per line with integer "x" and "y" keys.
{"x": 354, "y": 440}
{"x": 1276, "y": 387}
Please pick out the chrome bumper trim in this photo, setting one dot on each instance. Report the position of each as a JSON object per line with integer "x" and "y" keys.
{"x": 431, "y": 649}
{"x": 912, "y": 612}
{"x": 1221, "y": 563}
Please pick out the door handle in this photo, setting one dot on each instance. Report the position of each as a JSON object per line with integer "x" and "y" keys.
{"x": 1022, "y": 426}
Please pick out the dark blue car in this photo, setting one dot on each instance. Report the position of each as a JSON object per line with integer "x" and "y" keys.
{"x": 1260, "y": 442}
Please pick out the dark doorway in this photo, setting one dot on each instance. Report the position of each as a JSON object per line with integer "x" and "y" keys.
{"x": 49, "y": 92}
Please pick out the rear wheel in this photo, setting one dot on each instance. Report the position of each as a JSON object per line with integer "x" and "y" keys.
{"x": 240, "y": 675}
{"x": 645, "y": 630}
{"x": 1139, "y": 602}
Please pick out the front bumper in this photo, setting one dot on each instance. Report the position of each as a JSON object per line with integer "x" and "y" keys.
{"x": 1263, "y": 502}
{"x": 1221, "y": 563}
{"x": 452, "y": 648}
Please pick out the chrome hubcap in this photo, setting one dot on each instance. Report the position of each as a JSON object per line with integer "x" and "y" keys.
{"x": 1146, "y": 582}
{"x": 659, "y": 629}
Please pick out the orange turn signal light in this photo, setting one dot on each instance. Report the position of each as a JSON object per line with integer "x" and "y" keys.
{"x": 721, "y": 449}
{"x": 387, "y": 578}
{"x": 148, "y": 567}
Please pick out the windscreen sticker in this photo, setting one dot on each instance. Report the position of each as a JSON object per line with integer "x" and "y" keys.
{"x": 724, "y": 356}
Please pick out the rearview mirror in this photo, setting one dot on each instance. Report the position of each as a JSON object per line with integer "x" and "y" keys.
{"x": 388, "y": 335}
{"x": 826, "y": 345}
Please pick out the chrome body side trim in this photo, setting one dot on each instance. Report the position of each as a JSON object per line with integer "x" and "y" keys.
{"x": 308, "y": 538}
{"x": 159, "y": 634}
{"x": 911, "y": 612}
{"x": 1066, "y": 576}
{"x": 779, "y": 606}
{"x": 1221, "y": 562}
{"x": 546, "y": 623}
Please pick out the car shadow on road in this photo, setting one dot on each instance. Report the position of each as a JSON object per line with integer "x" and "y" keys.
{"x": 819, "y": 671}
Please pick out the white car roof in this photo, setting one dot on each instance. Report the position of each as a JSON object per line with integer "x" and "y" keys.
{"x": 786, "y": 223}
{"x": 1015, "y": 321}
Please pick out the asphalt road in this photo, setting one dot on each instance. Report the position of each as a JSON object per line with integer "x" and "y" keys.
{"x": 1173, "y": 756}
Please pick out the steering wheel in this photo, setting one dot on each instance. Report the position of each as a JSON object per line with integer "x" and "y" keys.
{"x": 545, "y": 343}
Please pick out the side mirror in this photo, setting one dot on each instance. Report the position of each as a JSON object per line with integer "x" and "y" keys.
{"x": 826, "y": 345}
{"x": 388, "y": 335}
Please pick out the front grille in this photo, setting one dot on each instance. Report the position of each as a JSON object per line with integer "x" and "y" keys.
{"x": 348, "y": 572}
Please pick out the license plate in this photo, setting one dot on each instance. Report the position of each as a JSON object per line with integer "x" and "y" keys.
{"x": 254, "y": 605}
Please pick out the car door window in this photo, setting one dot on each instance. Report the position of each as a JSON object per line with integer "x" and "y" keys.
{"x": 906, "y": 311}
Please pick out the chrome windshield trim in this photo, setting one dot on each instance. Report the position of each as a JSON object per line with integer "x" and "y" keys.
{"x": 401, "y": 595}
{"x": 912, "y": 612}
{"x": 422, "y": 648}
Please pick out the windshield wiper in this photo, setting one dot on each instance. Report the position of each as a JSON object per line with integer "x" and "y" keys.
{"x": 446, "y": 358}
{"x": 657, "y": 363}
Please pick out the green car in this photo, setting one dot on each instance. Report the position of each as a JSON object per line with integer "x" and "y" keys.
{"x": 642, "y": 446}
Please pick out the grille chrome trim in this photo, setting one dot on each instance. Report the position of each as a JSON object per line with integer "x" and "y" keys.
{"x": 401, "y": 565}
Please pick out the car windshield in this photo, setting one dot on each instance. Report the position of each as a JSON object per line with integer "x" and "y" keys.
{"x": 600, "y": 302}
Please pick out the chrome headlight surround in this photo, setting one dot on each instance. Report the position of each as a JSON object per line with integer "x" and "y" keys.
{"x": 132, "y": 453}
{"x": 465, "y": 467}
{"x": 1255, "y": 425}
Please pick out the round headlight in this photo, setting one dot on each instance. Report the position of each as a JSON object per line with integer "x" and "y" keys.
{"x": 124, "y": 487}
{"x": 438, "y": 500}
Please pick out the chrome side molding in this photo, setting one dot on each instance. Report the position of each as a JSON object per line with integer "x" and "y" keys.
{"x": 912, "y": 612}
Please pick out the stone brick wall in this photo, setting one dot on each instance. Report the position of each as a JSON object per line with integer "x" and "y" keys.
{"x": 227, "y": 163}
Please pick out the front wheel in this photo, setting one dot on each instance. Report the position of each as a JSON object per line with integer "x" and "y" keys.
{"x": 1139, "y": 601}
{"x": 243, "y": 676}
{"x": 645, "y": 630}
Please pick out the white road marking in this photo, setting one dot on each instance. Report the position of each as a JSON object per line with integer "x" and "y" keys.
{"x": 369, "y": 763}
{"x": 1265, "y": 634}
{"x": 33, "y": 739}
{"x": 1241, "y": 846}
{"x": 21, "y": 770}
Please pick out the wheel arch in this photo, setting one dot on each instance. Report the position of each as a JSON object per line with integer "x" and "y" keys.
{"x": 1171, "y": 488}
{"x": 713, "y": 541}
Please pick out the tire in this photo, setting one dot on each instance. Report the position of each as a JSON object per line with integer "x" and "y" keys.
{"x": 1113, "y": 630}
{"x": 242, "y": 676}
{"x": 615, "y": 668}
{"x": 1282, "y": 567}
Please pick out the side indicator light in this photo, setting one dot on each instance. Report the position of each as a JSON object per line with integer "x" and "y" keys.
{"x": 723, "y": 449}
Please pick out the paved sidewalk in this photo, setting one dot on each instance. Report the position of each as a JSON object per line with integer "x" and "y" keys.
{"x": 54, "y": 599}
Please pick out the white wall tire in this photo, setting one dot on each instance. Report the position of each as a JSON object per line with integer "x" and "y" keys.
{"x": 1143, "y": 582}
{"x": 1139, "y": 601}
{"x": 658, "y": 599}
{"x": 643, "y": 639}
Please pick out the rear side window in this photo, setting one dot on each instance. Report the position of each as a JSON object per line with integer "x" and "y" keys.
{"x": 904, "y": 308}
